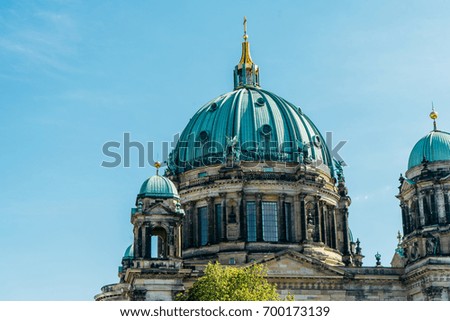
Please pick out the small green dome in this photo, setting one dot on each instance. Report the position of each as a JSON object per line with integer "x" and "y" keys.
{"x": 433, "y": 147}
{"x": 129, "y": 252}
{"x": 158, "y": 187}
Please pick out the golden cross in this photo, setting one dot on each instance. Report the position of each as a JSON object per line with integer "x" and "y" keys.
{"x": 245, "y": 27}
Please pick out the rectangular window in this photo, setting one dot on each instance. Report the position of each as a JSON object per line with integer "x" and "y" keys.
{"x": 251, "y": 222}
{"x": 219, "y": 219}
{"x": 203, "y": 225}
{"x": 270, "y": 221}
{"x": 287, "y": 216}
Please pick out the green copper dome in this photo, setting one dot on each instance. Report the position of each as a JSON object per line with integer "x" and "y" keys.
{"x": 129, "y": 252}
{"x": 158, "y": 187}
{"x": 249, "y": 124}
{"x": 433, "y": 147}
{"x": 254, "y": 124}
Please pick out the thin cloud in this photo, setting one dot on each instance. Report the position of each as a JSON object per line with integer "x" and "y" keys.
{"x": 46, "y": 41}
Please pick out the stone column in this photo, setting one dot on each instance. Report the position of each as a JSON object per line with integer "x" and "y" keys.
{"x": 303, "y": 219}
{"x": 317, "y": 220}
{"x": 447, "y": 206}
{"x": 333, "y": 228}
{"x": 259, "y": 227}
{"x": 324, "y": 222}
{"x": 171, "y": 242}
{"x": 188, "y": 234}
{"x": 178, "y": 235}
{"x": 137, "y": 241}
{"x": 344, "y": 212}
{"x": 405, "y": 219}
{"x": 211, "y": 220}
{"x": 421, "y": 210}
{"x": 145, "y": 236}
{"x": 195, "y": 227}
{"x": 290, "y": 232}
{"x": 223, "y": 197}
{"x": 242, "y": 217}
{"x": 296, "y": 214}
{"x": 440, "y": 205}
{"x": 281, "y": 219}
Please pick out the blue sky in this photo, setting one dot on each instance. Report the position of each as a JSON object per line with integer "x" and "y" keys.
{"x": 76, "y": 74}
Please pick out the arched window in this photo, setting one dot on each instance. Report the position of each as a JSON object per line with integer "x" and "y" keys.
{"x": 158, "y": 243}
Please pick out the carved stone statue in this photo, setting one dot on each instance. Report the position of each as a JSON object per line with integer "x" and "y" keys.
{"x": 432, "y": 245}
{"x": 415, "y": 251}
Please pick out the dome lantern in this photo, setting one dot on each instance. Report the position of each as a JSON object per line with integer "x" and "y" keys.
{"x": 246, "y": 72}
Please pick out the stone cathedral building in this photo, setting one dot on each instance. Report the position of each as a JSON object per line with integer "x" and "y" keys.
{"x": 251, "y": 180}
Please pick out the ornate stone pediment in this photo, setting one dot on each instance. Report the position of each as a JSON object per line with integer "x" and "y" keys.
{"x": 158, "y": 208}
{"x": 293, "y": 264}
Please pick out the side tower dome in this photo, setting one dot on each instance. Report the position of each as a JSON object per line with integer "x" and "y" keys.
{"x": 433, "y": 147}
{"x": 158, "y": 187}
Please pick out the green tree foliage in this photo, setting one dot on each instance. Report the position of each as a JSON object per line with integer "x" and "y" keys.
{"x": 227, "y": 283}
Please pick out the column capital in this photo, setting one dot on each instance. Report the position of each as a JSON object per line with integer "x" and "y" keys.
{"x": 302, "y": 196}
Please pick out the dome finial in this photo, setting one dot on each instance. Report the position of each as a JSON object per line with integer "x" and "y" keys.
{"x": 433, "y": 115}
{"x": 245, "y": 57}
{"x": 246, "y": 72}
{"x": 157, "y": 165}
{"x": 245, "y": 29}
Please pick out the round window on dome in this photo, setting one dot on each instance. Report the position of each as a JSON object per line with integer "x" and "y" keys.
{"x": 266, "y": 129}
{"x": 317, "y": 141}
{"x": 213, "y": 107}
{"x": 203, "y": 135}
{"x": 260, "y": 101}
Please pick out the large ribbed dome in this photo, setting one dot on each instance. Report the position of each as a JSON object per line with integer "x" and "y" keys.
{"x": 158, "y": 187}
{"x": 433, "y": 147}
{"x": 257, "y": 123}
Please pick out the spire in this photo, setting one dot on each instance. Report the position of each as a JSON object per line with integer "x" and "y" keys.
{"x": 245, "y": 57}
{"x": 246, "y": 73}
{"x": 433, "y": 115}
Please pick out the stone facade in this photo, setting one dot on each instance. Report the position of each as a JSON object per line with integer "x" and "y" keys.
{"x": 309, "y": 262}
